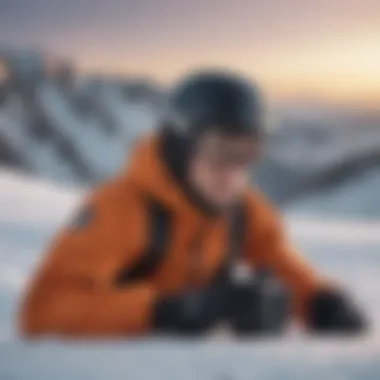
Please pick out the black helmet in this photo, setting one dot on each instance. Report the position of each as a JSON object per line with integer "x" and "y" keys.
{"x": 216, "y": 100}
{"x": 206, "y": 101}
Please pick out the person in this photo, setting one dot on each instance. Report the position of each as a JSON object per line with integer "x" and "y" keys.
{"x": 151, "y": 250}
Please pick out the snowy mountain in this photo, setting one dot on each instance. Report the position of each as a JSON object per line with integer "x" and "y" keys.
{"x": 80, "y": 131}
{"x": 46, "y": 134}
{"x": 317, "y": 148}
{"x": 30, "y": 212}
{"x": 356, "y": 197}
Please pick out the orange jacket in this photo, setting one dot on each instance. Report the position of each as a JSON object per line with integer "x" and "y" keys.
{"x": 74, "y": 291}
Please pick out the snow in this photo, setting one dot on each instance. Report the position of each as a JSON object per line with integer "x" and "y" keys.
{"x": 98, "y": 142}
{"x": 358, "y": 197}
{"x": 348, "y": 250}
{"x": 40, "y": 156}
{"x": 102, "y": 152}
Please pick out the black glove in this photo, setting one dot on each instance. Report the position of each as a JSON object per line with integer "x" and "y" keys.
{"x": 191, "y": 313}
{"x": 259, "y": 308}
{"x": 333, "y": 312}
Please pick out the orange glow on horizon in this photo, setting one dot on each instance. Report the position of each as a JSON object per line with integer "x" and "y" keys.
{"x": 336, "y": 70}
{"x": 327, "y": 49}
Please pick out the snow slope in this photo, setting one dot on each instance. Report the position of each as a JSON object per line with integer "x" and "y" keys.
{"x": 31, "y": 210}
{"x": 52, "y": 139}
{"x": 357, "y": 197}
{"x": 101, "y": 151}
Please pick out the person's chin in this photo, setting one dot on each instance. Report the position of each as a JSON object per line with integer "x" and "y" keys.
{"x": 223, "y": 204}
{"x": 219, "y": 203}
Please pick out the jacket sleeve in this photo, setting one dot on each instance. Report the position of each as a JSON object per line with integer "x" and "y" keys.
{"x": 269, "y": 248}
{"x": 74, "y": 291}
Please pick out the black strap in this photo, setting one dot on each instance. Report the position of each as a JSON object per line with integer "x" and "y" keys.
{"x": 238, "y": 226}
{"x": 238, "y": 231}
{"x": 237, "y": 235}
{"x": 159, "y": 231}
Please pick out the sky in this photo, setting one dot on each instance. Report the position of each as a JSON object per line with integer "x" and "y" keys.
{"x": 294, "y": 48}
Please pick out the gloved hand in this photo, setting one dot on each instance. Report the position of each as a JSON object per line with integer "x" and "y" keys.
{"x": 259, "y": 308}
{"x": 190, "y": 313}
{"x": 333, "y": 312}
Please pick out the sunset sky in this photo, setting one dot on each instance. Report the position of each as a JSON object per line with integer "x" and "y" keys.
{"x": 296, "y": 48}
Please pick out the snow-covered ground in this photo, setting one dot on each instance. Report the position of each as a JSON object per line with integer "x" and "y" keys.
{"x": 349, "y": 250}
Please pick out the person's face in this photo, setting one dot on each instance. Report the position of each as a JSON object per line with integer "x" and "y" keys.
{"x": 221, "y": 167}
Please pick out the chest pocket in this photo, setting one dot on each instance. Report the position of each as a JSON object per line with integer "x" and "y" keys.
{"x": 160, "y": 230}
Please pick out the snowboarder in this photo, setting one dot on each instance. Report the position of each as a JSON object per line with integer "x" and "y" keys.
{"x": 152, "y": 250}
